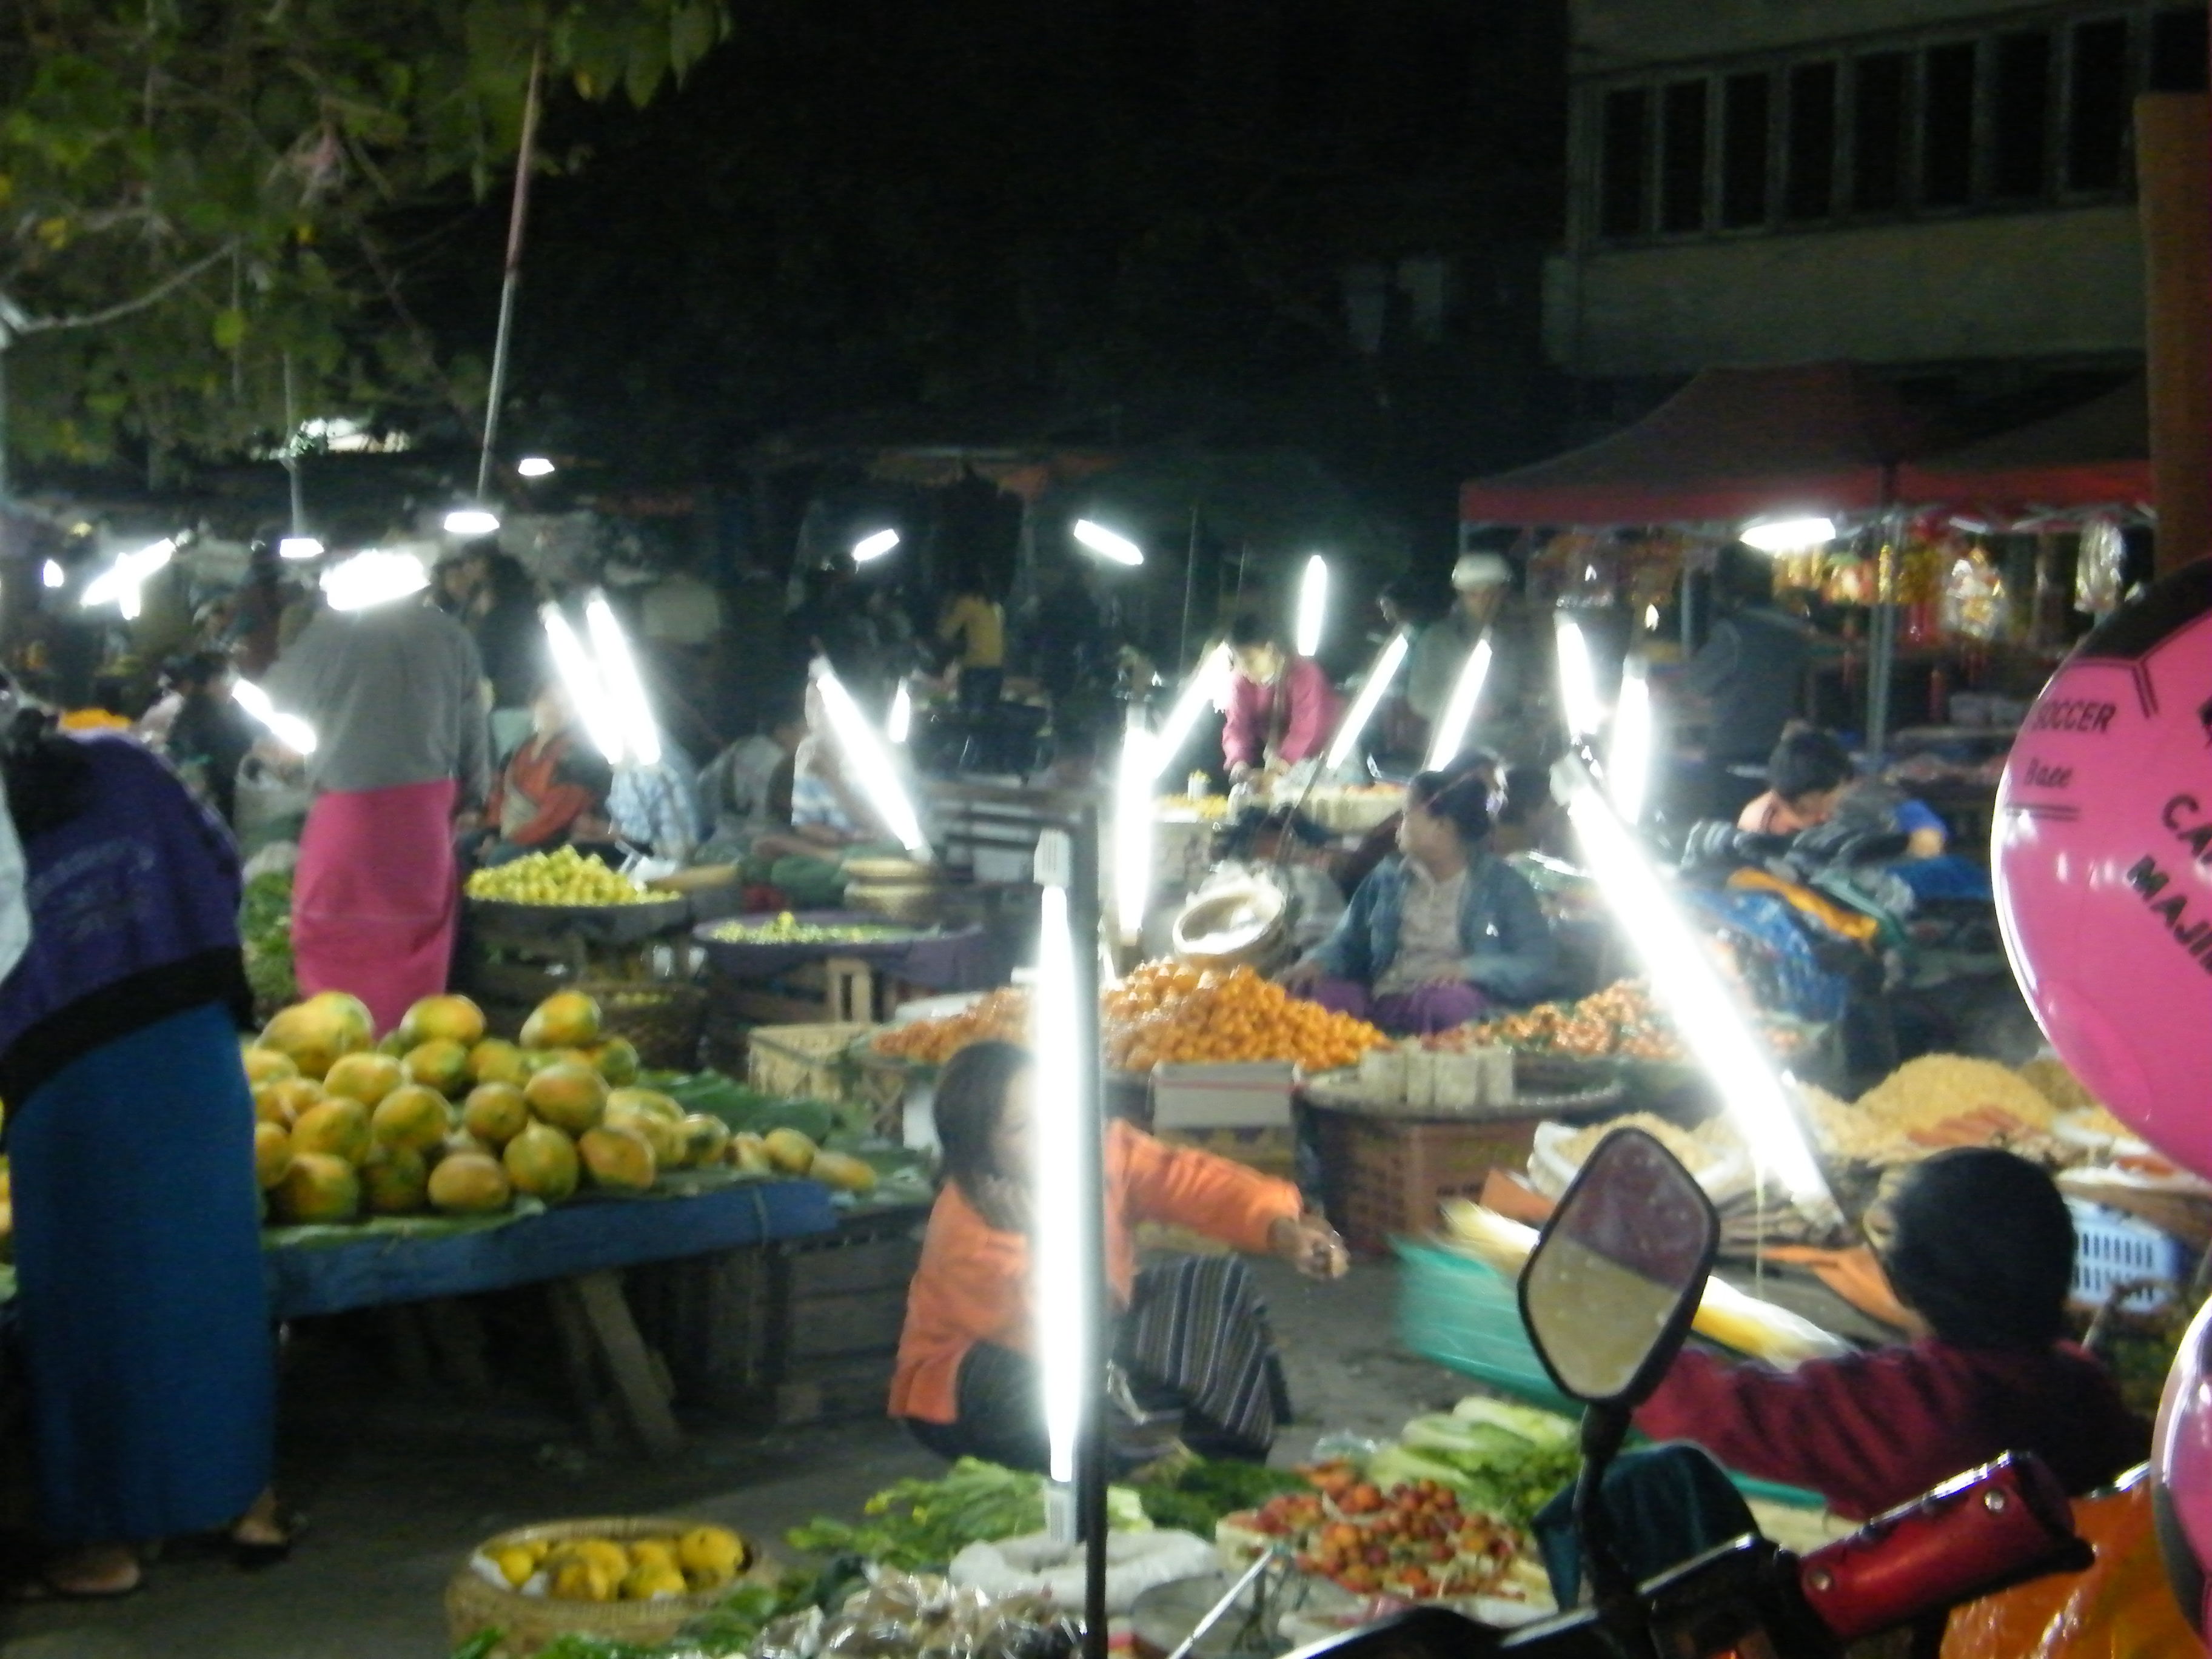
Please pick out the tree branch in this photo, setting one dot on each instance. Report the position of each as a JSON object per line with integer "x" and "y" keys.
{"x": 152, "y": 296}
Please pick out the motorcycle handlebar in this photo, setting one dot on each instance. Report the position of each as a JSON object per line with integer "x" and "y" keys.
{"x": 1976, "y": 1533}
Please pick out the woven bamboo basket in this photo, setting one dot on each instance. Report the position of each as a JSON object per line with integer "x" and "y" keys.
{"x": 528, "y": 1622}
{"x": 663, "y": 1018}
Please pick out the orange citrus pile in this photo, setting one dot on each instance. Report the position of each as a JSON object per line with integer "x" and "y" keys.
{"x": 1172, "y": 1011}
{"x": 1003, "y": 1016}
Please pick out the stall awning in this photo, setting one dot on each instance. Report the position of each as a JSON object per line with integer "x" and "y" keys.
{"x": 2097, "y": 453}
{"x": 1733, "y": 444}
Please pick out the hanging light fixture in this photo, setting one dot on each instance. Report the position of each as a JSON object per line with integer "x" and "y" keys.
{"x": 1688, "y": 987}
{"x": 1798, "y": 535}
{"x": 1578, "y": 700}
{"x": 901, "y": 720}
{"x": 1369, "y": 700}
{"x": 1458, "y": 712}
{"x": 870, "y": 766}
{"x": 294, "y": 733}
{"x": 1134, "y": 830}
{"x": 1205, "y": 687}
{"x": 123, "y": 583}
{"x": 371, "y": 577}
{"x": 1106, "y": 543}
{"x": 1064, "y": 1276}
{"x": 1628, "y": 761}
{"x": 587, "y": 693}
{"x": 1313, "y": 606}
{"x": 641, "y": 738}
{"x": 874, "y": 546}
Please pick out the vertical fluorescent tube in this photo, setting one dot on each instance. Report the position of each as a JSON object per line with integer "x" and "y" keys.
{"x": 1133, "y": 832}
{"x": 295, "y": 733}
{"x": 1064, "y": 1280}
{"x": 1369, "y": 700}
{"x": 1578, "y": 684}
{"x": 1628, "y": 761}
{"x": 594, "y": 704}
{"x": 901, "y": 721}
{"x": 1689, "y": 988}
{"x": 870, "y": 766}
{"x": 1199, "y": 692}
{"x": 1458, "y": 712}
{"x": 1313, "y": 606}
{"x": 618, "y": 673}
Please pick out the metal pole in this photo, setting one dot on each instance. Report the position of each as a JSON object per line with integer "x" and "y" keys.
{"x": 1189, "y": 586}
{"x": 291, "y": 453}
{"x": 517, "y": 214}
{"x": 1881, "y": 646}
{"x": 7, "y": 339}
{"x": 1091, "y": 1469}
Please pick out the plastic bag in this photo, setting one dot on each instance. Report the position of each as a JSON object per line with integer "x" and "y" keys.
{"x": 2100, "y": 567}
{"x": 2121, "y": 1608}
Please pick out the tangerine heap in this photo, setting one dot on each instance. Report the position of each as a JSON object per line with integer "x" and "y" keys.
{"x": 1165, "y": 1010}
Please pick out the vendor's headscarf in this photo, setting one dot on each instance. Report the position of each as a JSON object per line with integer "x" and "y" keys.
{"x": 1983, "y": 1249}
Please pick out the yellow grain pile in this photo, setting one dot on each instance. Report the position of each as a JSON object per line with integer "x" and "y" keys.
{"x": 1855, "y": 1135}
{"x": 1937, "y": 1088}
{"x": 1699, "y": 1150}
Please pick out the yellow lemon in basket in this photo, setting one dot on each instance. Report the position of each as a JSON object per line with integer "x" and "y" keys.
{"x": 576, "y": 1578}
{"x": 515, "y": 1564}
{"x": 652, "y": 1577}
{"x": 749, "y": 1152}
{"x": 604, "y": 1553}
{"x": 715, "y": 1550}
{"x": 655, "y": 1551}
{"x": 566, "y": 1019}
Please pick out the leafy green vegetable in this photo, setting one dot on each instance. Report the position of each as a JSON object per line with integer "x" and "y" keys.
{"x": 265, "y": 931}
{"x": 922, "y": 1524}
{"x": 1502, "y": 1459}
{"x": 1195, "y": 1497}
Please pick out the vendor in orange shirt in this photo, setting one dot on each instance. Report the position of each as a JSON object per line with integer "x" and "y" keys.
{"x": 554, "y": 787}
{"x": 1191, "y": 1332}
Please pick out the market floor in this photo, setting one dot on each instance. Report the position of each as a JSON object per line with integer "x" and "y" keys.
{"x": 398, "y": 1485}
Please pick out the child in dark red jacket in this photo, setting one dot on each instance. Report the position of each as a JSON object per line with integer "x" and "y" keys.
{"x": 1983, "y": 1249}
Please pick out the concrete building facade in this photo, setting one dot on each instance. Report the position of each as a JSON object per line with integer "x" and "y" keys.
{"x": 1936, "y": 187}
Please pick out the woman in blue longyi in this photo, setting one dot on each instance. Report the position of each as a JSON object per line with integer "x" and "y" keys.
{"x": 144, "y": 1313}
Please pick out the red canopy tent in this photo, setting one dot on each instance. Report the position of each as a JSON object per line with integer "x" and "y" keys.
{"x": 1733, "y": 444}
{"x": 2095, "y": 454}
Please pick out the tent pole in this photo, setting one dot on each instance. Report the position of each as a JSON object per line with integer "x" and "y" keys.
{"x": 1881, "y": 645}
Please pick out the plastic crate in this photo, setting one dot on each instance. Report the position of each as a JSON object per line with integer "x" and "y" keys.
{"x": 2112, "y": 1248}
{"x": 1382, "y": 1178}
{"x": 1465, "y": 1316}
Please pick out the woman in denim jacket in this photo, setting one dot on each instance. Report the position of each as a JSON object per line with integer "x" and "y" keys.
{"x": 1439, "y": 934}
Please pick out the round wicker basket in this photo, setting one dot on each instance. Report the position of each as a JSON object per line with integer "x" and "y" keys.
{"x": 528, "y": 1622}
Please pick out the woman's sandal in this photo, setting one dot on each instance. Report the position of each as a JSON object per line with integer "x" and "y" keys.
{"x": 254, "y": 1554}
{"x": 41, "y": 1584}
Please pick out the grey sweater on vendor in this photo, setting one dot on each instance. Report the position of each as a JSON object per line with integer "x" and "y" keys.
{"x": 395, "y": 694}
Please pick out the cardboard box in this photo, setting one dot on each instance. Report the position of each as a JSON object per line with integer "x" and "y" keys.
{"x": 1230, "y": 1095}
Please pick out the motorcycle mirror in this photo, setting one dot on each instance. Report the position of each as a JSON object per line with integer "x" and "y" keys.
{"x": 1611, "y": 1286}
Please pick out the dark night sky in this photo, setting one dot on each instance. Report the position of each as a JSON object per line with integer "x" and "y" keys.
{"x": 990, "y": 220}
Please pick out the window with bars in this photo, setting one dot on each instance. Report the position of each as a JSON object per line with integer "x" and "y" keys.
{"x": 2030, "y": 114}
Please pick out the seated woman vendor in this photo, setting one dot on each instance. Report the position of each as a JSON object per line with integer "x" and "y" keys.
{"x": 1982, "y": 1249}
{"x": 553, "y": 789}
{"x": 1440, "y": 933}
{"x": 1191, "y": 1334}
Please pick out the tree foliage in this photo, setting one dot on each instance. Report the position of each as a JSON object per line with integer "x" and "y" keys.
{"x": 196, "y": 193}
